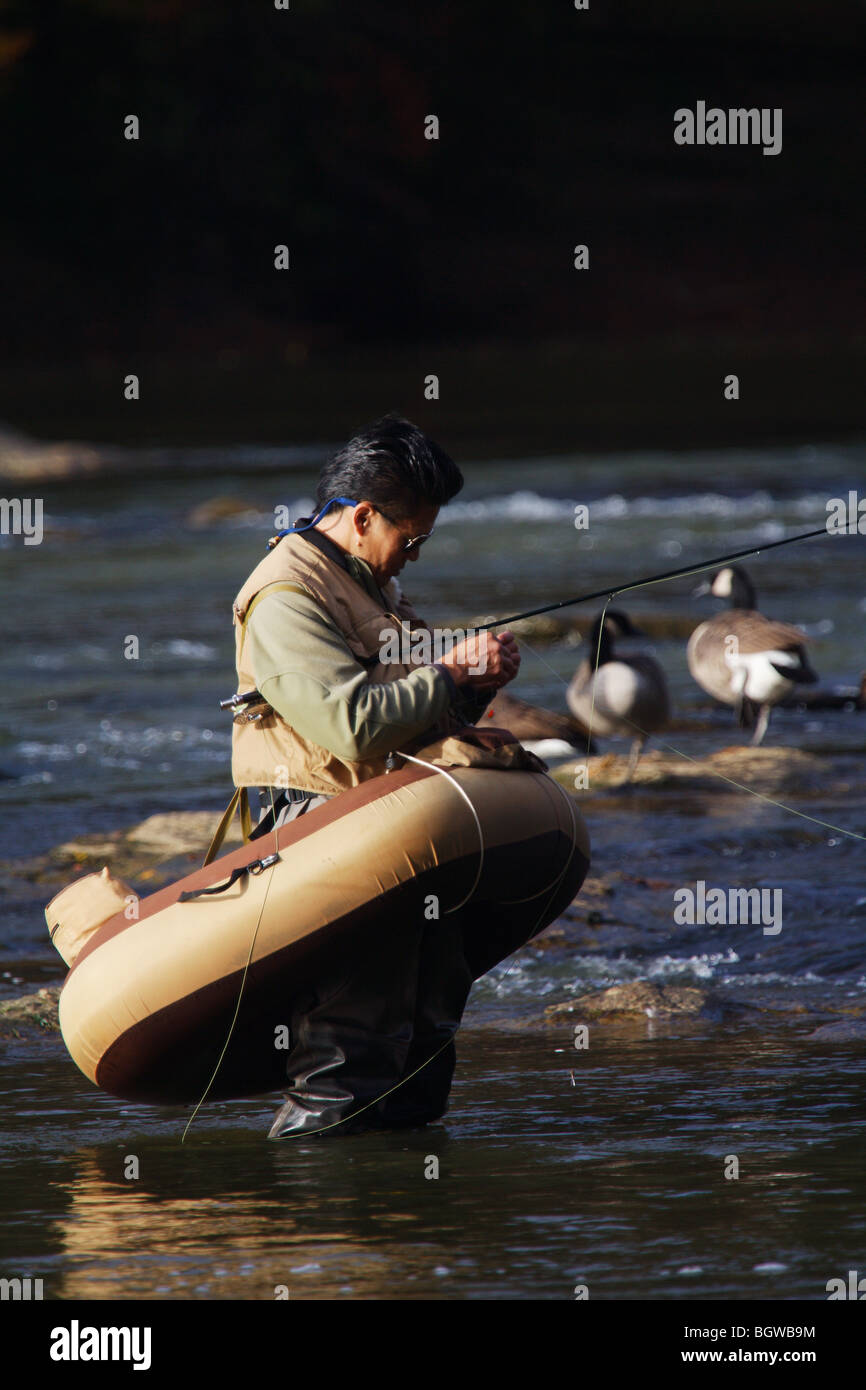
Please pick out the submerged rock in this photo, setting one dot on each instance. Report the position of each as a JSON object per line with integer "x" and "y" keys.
{"x": 147, "y": 852}
{"x": 179, "y": 832}
{"x": 637, "y": 997}
{"x": 167, "y": 833}
{"x": 846, "y": 1030}
{"x": 770, "y": 769}
{"x": 26, "y": 460}
{"x": 31, "y": 1012}
{"x": 638, "y": 1001}
{"x": 216, "y": 510}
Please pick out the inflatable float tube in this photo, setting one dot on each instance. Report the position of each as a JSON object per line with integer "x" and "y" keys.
{"x": 148, "y": 1004}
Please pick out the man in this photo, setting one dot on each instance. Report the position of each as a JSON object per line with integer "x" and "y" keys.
{"x": 373, "y": 1045}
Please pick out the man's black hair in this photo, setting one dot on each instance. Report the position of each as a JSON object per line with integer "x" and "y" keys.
{"x": 393, "y": 465}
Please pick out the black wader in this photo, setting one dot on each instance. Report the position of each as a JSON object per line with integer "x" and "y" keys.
{"x": 392, "y": 1007}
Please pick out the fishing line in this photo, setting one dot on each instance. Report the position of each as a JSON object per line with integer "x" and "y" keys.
{"x": 761, "y": 797}
{"x": 512, "y": 902}
{"x": 422, "y": 762}
{"x": 242, "y": 984}
{"x": 594, "y": 671}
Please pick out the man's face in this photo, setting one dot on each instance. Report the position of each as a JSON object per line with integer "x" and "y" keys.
{"x": 383, "y": 543}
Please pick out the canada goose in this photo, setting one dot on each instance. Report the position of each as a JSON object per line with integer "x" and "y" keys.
{"x": 627, "y": 696}
{"x": 743, "y": 658}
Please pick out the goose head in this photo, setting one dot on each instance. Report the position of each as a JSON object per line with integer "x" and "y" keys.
{"x": 610, "y": 625}
{"x": 731, "y": 583}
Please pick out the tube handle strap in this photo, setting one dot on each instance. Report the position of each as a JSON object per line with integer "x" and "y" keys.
{"x": 255, "y": 867}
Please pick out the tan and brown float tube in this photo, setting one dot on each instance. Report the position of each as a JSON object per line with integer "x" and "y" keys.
{"x": 148, "y": 1004}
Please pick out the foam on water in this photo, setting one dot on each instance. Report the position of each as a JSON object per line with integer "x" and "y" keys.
{"x": 527, "y": 505}
{"x": 533, "y": 974}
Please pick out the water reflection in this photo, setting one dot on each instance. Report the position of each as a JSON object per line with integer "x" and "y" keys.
{"x": 616, "y": 1181}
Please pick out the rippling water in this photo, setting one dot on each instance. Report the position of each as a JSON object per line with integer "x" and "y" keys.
{"x": 616, "y": 1181}
{"x": 556, "y": 1167}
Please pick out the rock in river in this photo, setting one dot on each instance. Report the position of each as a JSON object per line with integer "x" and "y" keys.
{"x": 637, "y": 997}
{"x": 31, "y": 1012}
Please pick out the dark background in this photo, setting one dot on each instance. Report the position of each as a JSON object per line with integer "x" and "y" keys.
{"x": 410, "y": 256}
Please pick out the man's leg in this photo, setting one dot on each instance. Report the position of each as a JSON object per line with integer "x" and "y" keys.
{"x": 444, "y": 982}
{"x": 351, "y": 1035}
{"x": 350, "y": 1041}
{"x": 363, "y": 1030}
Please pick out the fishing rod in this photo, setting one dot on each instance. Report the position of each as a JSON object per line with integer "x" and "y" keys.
{"x": 610, "y": 593}
{"x": 251, "y": 697}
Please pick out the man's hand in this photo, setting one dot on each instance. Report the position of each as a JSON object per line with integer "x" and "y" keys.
{"x": 484, "y": 661}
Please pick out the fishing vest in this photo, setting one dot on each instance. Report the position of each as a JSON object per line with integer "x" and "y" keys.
{"x": 266, "y": 750}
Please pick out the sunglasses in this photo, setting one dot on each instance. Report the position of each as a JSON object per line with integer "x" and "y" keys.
{"x": 416, "y": 541}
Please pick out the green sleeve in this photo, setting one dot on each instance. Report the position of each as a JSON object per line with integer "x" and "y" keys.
{"x": 469, "y": 704}
{"x": 308, "y": 674}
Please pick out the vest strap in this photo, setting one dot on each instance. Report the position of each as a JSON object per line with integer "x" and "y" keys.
{"x": 241, "y": 796}
{"x": 274, "y": 588}
{"x": 240, "y": 799}
{"x": 278, "y": 586}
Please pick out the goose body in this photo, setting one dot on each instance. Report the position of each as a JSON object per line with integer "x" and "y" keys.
{"x": 742, "y": 658}
{"x": 626, "y": 697}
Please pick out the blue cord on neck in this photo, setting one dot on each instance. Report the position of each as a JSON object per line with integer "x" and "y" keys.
{"x": 335, "y": 501}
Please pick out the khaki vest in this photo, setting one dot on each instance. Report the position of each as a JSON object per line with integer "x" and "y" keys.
{"x": 266, "y": 751}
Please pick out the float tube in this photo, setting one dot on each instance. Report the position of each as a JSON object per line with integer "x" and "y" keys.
{"x": 148, "y": 1004}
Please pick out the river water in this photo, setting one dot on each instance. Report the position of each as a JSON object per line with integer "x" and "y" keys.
{"x": 558, "y": 1167}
